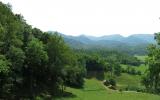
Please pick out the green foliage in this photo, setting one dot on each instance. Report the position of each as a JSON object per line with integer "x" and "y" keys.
{"x": 33, "y": 62}
{"x": 139, "y": 69}
{"x": 152, "y": 79}
{"x": 4, "y": 72}
{"x": 108, "y": 55}
{"x": 133, "y": 70}
{"x": 4, "y": 65}
{"x": 94, "y": 63}
{"x": 35, "y": 53}
{"x": 74, "y": 77}
{"x": 110, "y": 81}
{"x": 117, "y": 70}
{"x": 17, "y": 53}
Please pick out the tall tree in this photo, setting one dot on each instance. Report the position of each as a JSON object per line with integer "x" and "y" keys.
{"x": 36, "y": 59}
{"x": 152, "y": 79}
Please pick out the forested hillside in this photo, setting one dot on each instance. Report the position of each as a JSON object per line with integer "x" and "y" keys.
{"x": 33, "y": 62}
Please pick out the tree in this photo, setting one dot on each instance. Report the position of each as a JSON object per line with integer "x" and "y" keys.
{"x": 95, "y": 63}
{"x": 117, "y": 70}
{"x": 33, "y": 62}
{"x": 36, "y": 59}
{"x": 74, "y": 76}
{"x": 4, "y": 74}
{"x": 153, "y": 74}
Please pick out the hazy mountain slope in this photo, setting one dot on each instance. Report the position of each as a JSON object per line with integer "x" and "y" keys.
{"x": 115, "y": 37}
{"x": 149, "y": 38}
{"x": 133, "y": 44}
{"x": 74, "y": 43}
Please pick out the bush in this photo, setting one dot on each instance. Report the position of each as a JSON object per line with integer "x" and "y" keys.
{"x": 111, "y": 82}
{"x": 134, "y": 88}
{"x": 139, "y": 73}
{"x": 120, "y": 90}
{"x": 133, "y": 71}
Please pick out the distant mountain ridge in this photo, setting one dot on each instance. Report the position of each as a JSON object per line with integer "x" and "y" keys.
{"x": 149, "y": 38}
{"x": 134, "y": 43}
{"x": 131, "y": 40}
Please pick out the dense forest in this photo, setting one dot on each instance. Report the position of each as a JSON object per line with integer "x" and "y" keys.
{"x": 33, "y": 62}
{"x": 36, "y": 63}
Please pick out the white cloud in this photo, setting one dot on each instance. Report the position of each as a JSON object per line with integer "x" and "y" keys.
{"x": 91, "y": 17}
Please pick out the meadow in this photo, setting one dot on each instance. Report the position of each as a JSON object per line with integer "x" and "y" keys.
{"x": 95, "y": 90}
{"x": 142, "y": 58}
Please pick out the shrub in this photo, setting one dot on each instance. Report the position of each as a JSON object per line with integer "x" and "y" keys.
{"x": 120, "y": 90}
{"x": 133, "y": 71}
{"x": 112, "y": 82}
{"x": 134, "y": 88}
{"x": 139, "y": 73}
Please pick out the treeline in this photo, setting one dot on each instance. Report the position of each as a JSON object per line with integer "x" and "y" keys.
{"x": 33, "y": 62}
{"x": 108, "y": 54}
{"x": 103, "y": 60}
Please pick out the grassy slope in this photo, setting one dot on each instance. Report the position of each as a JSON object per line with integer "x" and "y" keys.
{"x": 95, "y": 90}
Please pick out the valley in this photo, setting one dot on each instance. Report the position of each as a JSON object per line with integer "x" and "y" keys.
{"x": 50, "y": 65}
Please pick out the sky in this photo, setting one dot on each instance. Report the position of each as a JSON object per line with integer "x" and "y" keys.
{"x": 91, "y": 17}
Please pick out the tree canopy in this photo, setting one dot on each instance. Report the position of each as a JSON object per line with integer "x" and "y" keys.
{"x": 33, "y": 62}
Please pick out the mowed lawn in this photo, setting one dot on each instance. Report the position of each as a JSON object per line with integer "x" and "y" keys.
{"x": 95, "y": 90}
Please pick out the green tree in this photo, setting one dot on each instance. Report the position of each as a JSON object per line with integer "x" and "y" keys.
{"x": 4, "y": 74}
{"x": 117, "y": 69}
{"x": 33, "y": 62}
{"x": 36, "y": 59}
{"x": 153, "y": 74}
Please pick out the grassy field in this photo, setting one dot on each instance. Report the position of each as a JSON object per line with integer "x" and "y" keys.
{"x": 133, "y": 81}
{"x": 95, "y": 90}
{"x": 126, "y": 80}
{"x": 141, "y": 68}
{"x": 142, "y": 58}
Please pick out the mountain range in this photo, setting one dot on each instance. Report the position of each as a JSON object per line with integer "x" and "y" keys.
{"x": 133, "y": 43}
{"x": 110, "y": 40}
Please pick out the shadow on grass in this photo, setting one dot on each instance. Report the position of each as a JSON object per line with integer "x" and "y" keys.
{"x": 94, "y": 74}
{"x": 66, "y": 94}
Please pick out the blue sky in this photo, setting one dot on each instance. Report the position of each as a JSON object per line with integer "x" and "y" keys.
{"x": 91, "y": 17}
